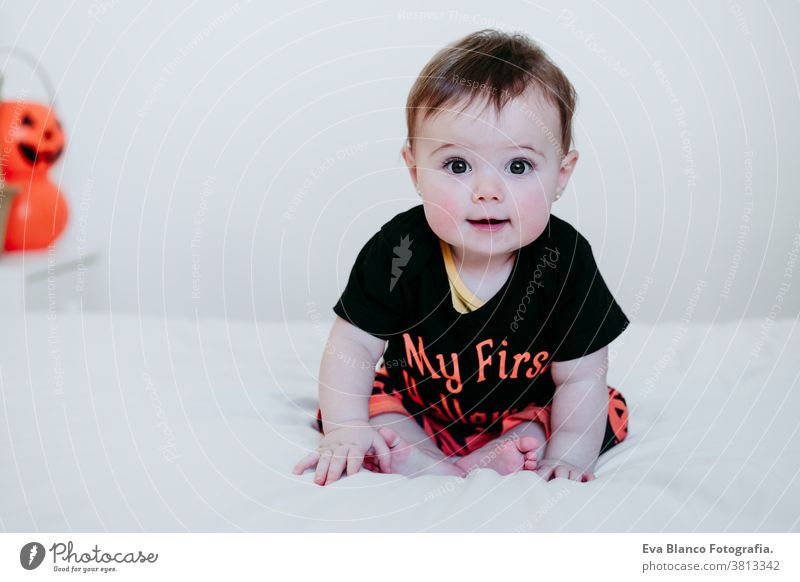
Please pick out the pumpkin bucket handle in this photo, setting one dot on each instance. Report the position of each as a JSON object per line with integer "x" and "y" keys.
{"x": 35, "y": 65}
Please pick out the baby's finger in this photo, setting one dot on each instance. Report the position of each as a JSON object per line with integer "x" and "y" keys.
{"x": 337, "y": 465}
{"x": 322, "y": 466}
{"x": 561, "y": 472}
{"x": 545, "y": 472}
{"x": 588, "y": 477}
{"x": 306, "y": 463}
{"x": 355, "y": 458}
{"x": 382, "y": 454}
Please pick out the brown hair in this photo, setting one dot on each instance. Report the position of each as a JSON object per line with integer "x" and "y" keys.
{"x": 495, "y": 66}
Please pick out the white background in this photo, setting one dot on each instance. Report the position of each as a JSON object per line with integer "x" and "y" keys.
{"x": 198, "y": 135}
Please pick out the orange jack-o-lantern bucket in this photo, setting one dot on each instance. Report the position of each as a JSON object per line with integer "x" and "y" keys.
{"x": 31, "y": 140}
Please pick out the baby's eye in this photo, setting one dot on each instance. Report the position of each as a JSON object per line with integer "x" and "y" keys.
{"x": 457, "y": 166}
{"x": 520, "y": 167}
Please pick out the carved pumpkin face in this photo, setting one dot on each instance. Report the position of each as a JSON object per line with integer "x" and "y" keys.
{"x": 31, "y": 138}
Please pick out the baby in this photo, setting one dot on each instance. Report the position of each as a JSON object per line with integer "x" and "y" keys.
{"x": 489, "y": 313}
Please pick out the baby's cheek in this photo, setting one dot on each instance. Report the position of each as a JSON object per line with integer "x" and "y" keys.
{"x": 440, "y": 218}
{"x": 535, "y": 207}
{"x": 438, "y": 194}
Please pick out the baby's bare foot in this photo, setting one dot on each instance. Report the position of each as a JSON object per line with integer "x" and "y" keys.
{"x": 506, "y": 456}
{"x": 406, "y": 459}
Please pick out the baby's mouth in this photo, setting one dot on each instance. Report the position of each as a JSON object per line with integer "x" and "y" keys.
{"x": 489, "y": 223}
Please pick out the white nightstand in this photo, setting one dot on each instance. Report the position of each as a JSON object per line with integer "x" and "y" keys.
{"x": 54, "y": 279}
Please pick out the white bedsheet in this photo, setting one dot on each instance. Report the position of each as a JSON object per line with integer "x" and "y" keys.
{"x": 116, "y": 423}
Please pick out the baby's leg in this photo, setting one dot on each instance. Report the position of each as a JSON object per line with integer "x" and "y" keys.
{"x": 413, "y": 453}
{"x": 518, "y": 448}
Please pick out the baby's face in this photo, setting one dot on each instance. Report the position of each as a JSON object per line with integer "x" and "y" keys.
{"x": 479, "y": 165}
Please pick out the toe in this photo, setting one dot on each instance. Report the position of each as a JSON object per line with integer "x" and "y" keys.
{"x": 527, "y": 444}
{"x": 391, "y": 438}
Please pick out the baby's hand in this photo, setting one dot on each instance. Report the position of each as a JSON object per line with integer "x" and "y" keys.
{"x": 556, "y": 468}
{"x": 345, "y": 445}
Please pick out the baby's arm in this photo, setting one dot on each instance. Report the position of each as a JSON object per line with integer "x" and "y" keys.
{"x": 347, "y": 373}
{"x": 578, "y": 417}
{"x": 346, "y": 376}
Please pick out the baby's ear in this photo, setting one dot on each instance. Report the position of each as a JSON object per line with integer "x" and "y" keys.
{"x": 411, "y": 164}
{"x": 408, "y": 155}
{"x": 567, "y": 166}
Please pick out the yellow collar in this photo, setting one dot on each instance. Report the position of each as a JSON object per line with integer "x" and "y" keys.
{"x": 464, "y": 300}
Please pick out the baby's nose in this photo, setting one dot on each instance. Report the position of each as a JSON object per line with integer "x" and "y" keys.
{"x": 487, "y": 185}
{"x": 486, "y": 190}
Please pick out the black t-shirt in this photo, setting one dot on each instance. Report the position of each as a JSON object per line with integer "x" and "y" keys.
{"x": 473, "y": 369}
